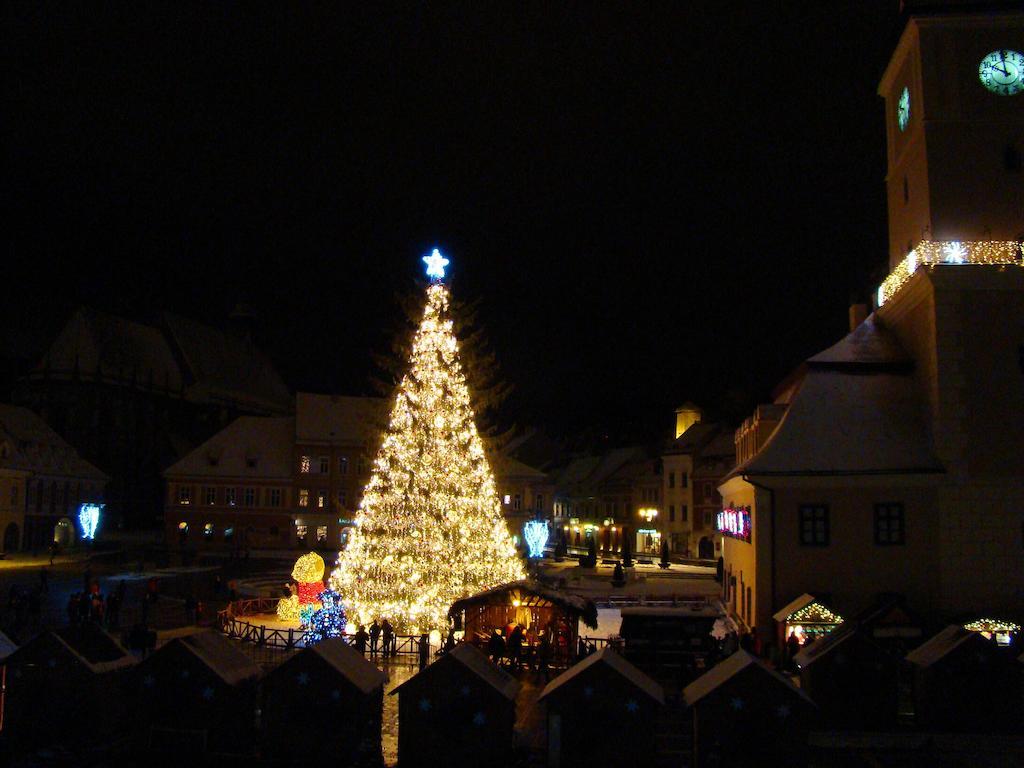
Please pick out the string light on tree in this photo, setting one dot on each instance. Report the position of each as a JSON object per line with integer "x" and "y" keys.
{"x": 429, "y": 529}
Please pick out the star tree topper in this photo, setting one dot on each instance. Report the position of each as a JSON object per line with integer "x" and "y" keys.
{"x": 435, "y": 265}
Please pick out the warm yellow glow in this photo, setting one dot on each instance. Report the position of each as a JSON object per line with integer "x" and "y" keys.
{"x": 648, "y": 513}
{"x": 930, "y": 252}
{"x": 429, "y": 529}
{"x": 308, "y": 568}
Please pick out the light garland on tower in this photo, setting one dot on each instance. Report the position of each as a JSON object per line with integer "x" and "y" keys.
{"x": 429, "y": 530}
{"x": 931, "y": 252}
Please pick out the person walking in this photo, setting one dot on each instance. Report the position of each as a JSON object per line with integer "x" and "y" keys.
{"x": 360, "y": 639}
{"x": 792, "y": 649}
{"x": 374, "y": 637}
{"x": 544, "y": 656}
{"x": 389, "y": 638}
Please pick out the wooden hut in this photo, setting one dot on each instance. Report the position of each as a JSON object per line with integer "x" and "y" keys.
{"x": 325, "y": 704}
{"x": 674, "y": 645}
{"x": 539, "y": 609}
{"x": 460, "y": 710}
{"x": 853, "y": 674}
{"x": 963, "y": 682}
{"x": 196, "y": 696}
{"x": 806, "y": 616}
{"x": 602, "y": 711}
{"x": 745, "y": 713}
{"x": 64, "y": 687}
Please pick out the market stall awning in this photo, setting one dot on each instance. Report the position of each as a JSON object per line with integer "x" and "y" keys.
{"x": 530, "y": 594}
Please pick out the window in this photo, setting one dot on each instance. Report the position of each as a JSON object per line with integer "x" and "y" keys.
{"x": 341, "y": 498}
{"x": 671, "y": 479}
{"x": 343, "y": 465}
{"x": 517, "y": 502}
{"x": 684, "y": 513}
{"x": 231, "y": 496}
{"x": 321, "y": 499}
{"x": 814, "y": 525}
{"x": 304, "y": 464}
{"x": 249, "y": 497}
{"x": 303, "y": 497}
{"x": 14, "y": 495}
{"x": 210, "y": 496}
{"x": 300, "y": 533}
{"x": 360, "y": 465}
{"x": 671, "y": 513}
{"x": 321, "y": 534}
{"x": 707, "y": 518}
{"x": 539, "y": 501}
{"x": 325, "y": 465}
{"x": 273, "y": 497}
{"x": 709, "y": 490}
{"x": 684, "y": 479}
{"x": 889, "y": 524}
{"x": 251, "y": 462}
{"x": 507, "y": 500}
{"x": 184, "y": 494}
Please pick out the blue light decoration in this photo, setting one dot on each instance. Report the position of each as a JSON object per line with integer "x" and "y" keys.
{"x": 89, "y": 519}
{"x": 536, "y": 534}
{"x": 435, "y": 265}
{"x": 328, "y": 620}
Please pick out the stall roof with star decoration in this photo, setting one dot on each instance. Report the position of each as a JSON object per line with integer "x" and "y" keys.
{"x": 614, "y": 660}
{"x": 726, "y": 670}
{"x": 350, "y": 663}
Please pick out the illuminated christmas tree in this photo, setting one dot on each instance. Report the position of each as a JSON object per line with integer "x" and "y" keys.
{"x": 429, "y": 530}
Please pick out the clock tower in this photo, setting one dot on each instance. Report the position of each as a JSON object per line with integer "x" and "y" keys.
{"x": 954, "y": 96}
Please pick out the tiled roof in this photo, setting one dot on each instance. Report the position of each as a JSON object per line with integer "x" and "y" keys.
{"x": 338, "y": 418}
{"x": 32, "y": 446}
{"x": 265, "y": 442}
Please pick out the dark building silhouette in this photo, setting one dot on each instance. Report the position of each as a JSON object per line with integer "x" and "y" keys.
{"x": 461, "y": 710}
{"x": 65, "y": 687}
{"x": 194, "y": 697}
{"x": 133, "y": 397}
{"x": 746, "y": 714}
{"x": 963, "y": 682}
{"x": 602, "y": 711}
{"x": 325, "y": 704}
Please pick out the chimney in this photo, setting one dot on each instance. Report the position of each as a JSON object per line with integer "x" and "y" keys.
{"x": 858, "y": 314}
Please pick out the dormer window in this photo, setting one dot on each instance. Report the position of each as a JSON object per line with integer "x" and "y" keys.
{"x": 251, "y": 462}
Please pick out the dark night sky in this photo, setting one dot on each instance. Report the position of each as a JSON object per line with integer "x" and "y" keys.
{"x": 655, "y": 202}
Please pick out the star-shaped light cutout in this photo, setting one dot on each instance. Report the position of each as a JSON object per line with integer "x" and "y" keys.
{"x": 184, "y": 674}
{"x": 632, "y": 706}
{"x": 464, "y": 690}
{"x": 736, "y": 703}
{"x": 51, "y": 663}
{"x": 424, "y": 705}
{"x": 149, "y": 681}
{"x": 782, "y": 711}
{"x": 588, "y": 690}
{"x": 336, "y": 694}
{"x": 479, "y": 719}
{"x": 208, "y": 693}
{"x": 956, "y": 253}
{"x": 302, "y": 678}
{"x": 435, "y": 265}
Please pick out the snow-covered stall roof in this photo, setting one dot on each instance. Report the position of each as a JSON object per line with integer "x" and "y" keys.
{"x": 473, "y": 659}
{"x": 352, "y": 665}
{"x": 580, "y": 606}
{"x": 614, "y": 660}
{"x": 725, "y": 670}
{"x": 938, "y": 647}
{"x": 221, "y": 656}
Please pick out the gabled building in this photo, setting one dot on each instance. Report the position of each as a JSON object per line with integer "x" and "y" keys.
{"x": 133, "y": 397}
{"x": 43, "y": 483}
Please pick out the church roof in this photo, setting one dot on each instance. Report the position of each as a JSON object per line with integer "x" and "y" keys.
{"x": 869, "y": 345}
{"x": 27, "y": 443}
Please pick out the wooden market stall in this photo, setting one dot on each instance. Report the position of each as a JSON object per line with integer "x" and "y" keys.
{"x": 540, "y": 610}
{"x": 807, "y": 616}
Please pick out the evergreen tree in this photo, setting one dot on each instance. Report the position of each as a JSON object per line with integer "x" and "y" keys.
{"x": 429, "y": 530}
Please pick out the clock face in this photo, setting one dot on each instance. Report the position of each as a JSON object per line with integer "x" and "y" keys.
{"x": 903, "y": 110}
{"x": 1002, "y": 72}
